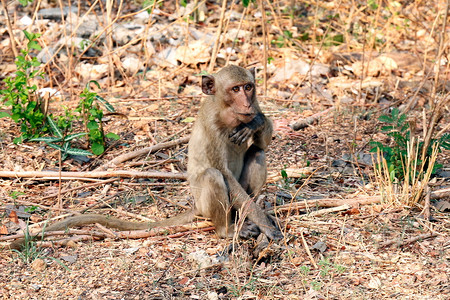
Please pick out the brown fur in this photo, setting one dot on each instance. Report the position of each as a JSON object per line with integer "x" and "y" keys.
{"x": 226, "y": 161}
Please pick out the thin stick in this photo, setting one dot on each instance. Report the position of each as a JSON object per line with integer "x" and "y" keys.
{"x": 47, "y": 175}
{"x": 263, "y": 18}
{"x": 127, "y": 156}
{"x": 212, "y": 62}
{"x": 10, "y": 30}
{"x": 328, "y": 210}
{"x": 408, "y": 241}
{"x": 80, "y": 187}
{"x": 305, "y": 245}
{"x": 326, "y": 203}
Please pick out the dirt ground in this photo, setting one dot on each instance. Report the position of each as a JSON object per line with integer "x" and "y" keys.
{"x": 370, "y": 249}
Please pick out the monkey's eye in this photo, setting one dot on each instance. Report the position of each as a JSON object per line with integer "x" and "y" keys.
{"x": 248, "y": 87}
{"x": 235, "y": 89}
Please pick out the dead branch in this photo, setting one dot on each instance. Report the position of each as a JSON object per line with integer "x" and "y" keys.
{"x": 130, "y": 155}
{"x": 303, "y": 123}
{"x": 305, "y": 245}
{"x": 407, "y": 241}
{"x": 56, "y": 233}
{"x": 10, "y": 29}
{"x": 65, "y": 242}
{"x": 329, "y": 210}
{"x": 46, "y": 175}
{"x": 80, "y": 187}
{"x": 330, "y": 202}
{"x": 442, "y": 193}
{"x": 139, "y": 234}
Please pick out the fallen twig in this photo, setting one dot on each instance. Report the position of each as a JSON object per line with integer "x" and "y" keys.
{"x": 138, "y": 234}
{"x": 305, "y": 245}
{"x": 80, "y": 187}
{"x": 326, "y": 203}
{"x": 303, "y": 123}
{"x": 130, "y": 155}
{"x": 328, "y": 210}
{"x": 407, "y": 241}
{"x": 438, "y": 194}
{"x": 38, "y": 175}
{"x": 56, "y": 233}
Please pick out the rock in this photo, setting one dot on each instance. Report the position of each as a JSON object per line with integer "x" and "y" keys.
{"x": 320, "y": 246}
{"x": 124, "y": 33}
{"x": 300, "y": 67}
{"x": 89, "y": 71}
{"x": 45, "y": 55}
{"x": 212, "y": 296}
{"x": 234, "y": 33}
{"x": 69, "y": 258}
{"x": 443, "y": 173}
{"x": 132, "y": 64}
{"x": 202, "y": 259}
{"x": 56, "y": 13}
{"x": 38, "y": 265}
{"x": 167, "y": 58}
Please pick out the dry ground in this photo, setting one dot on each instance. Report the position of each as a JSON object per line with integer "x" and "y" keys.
{"x": 376, "y": 251}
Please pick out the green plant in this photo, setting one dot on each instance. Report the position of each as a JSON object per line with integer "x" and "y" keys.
{"x": 61, "y": 141}
{"x": 16, "y": 194}
{"x": 286, "y": 181}
{"x": 282, "y": 40}
{"x": 29, "y": 251}
{"x": 20, "y": 93}
{"x": 396, "y": 155}
{"x": 92, "y": 118}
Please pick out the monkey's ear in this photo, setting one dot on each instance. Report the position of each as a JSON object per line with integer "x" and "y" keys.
{"x": 253, "y": 71}
{"x": 208, "y": 85}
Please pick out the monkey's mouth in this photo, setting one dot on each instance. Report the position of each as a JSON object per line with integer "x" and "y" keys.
{"x": 245, "y": 118}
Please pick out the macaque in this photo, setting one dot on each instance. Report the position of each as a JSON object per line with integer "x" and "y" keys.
{"x": 226, "y": 162}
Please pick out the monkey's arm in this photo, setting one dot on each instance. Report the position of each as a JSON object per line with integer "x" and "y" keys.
{"x": 245, "y": 130}
{"x": 263, "y": 136}
{"x": 242, "y": 202}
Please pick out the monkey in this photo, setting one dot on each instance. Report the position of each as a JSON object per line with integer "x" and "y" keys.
{"x": 226, "y": 162}
{"x": 226, "y": 154}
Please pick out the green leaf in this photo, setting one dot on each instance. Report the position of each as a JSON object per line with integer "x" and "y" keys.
{"x": 92, "y": 125}
{"x": 34, "y": 45}
{"x": 94, "y": 82}
{"x": 97, "y": 148}
{"x": 54, "y": 127}
{"x": 77, "y": 151}
{"x": 188, "y": 120}
{"x": 57, "y": 147}
{"x": 74, "y": 136}
{"x": 112, "y": 135}
{"x": 4, "y": 114}
{"x": 107, "y": 105}
{"x": 28, "y": 35}
{"x": 46, "y": 139}
{"x": 18, "y": 140}
{"x": 387, "y": 128}
{"x": 385, "y": 119}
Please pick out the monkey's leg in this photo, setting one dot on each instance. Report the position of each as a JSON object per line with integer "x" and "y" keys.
{"x": 212, "y": 201}
{"x": 253, "y": 178}
{"x": 254, "y": 172}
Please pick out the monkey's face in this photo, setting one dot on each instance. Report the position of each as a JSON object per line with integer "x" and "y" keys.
{"x": 233, "y": 89}
{"x": 241, "y": 100}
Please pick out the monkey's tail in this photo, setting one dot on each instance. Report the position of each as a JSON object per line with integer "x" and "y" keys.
{"x": 109, "y": 222}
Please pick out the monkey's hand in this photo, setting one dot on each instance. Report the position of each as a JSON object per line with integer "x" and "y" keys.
{"x": 244, "y": 131}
